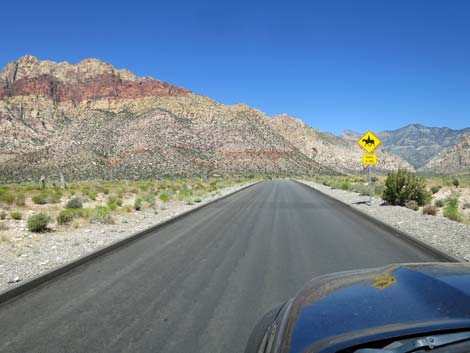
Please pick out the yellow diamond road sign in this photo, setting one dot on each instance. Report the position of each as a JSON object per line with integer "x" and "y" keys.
{"x": 369, "y": 159}
{"x": 369, "y": 141}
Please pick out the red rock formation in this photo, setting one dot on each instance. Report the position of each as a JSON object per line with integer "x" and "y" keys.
{"x": 101, "y": 86}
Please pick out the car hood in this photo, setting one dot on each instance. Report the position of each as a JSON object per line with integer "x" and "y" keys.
{"x": 340, "y": 310}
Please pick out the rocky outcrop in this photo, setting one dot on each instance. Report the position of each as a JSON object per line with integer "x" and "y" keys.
{"x": 88, "y": 80}
{"x": 337, "y": 153}
{"x": 454, "y": 160}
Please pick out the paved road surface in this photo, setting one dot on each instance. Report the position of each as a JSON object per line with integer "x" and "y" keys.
{"x": 200, "y": 284}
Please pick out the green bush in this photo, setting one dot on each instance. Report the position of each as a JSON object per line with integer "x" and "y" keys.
{"x": 138, "y": 204}
{"x": 40, "y": 199}
{"x": 16, "y": 215}
{"x": 100, "y": 214}
{"x": 430, "y": 210}
{"x": 451, "y": 210}
{"x": 3, "y": 215}
{"x": 6, "y": 197}
{"x": 38, "y": 222}
{"x": 165, "y": 197}
{"x": 455, "y": 182}
{"x": 66, "y": 216}
{"x": 412, "y": 205}
{"x": 198, "y": 199}
{"x": 92, "y": 195}
{"x": 20, "y": 200}
{"x": 435, "y": 189}
{"x": 74, "y": 203}
{"x": 452, "y": 213}
{"x": 112, "y": 206}
{"x": 439, "y": 203}
{"x": 345, "y": 185}
{"x": 403, "y": 186}
{"x": 119, "y": 202}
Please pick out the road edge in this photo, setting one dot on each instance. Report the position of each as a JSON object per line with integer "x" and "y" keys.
{"x": 391, "y": 229}
{"x": 34, "y": 282}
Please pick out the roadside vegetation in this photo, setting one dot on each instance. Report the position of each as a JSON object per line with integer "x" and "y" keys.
{"x": 434, "y": 196}
{"x": 41, "y": 208}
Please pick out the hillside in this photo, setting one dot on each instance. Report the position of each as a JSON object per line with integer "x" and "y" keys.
{"x": 337, "y": 153}
{"x": 416, "y": 143}
{"x": 91, "y": 121}
{"x": 451, "y": 161}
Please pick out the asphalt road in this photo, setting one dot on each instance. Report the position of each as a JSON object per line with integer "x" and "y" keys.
{"x": 200, "y": 284}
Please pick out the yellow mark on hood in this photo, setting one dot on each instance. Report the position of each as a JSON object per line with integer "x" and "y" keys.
{"x": 384, "y": 281}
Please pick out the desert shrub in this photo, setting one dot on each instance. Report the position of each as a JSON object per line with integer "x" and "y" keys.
{"x": 403, "y": 186}
{"x": 112, "y": 206}
{"x": 452, "y": 213}
{"x": 138, "y": 204}
{"x": 455, "y": 182}
{"x": 439, "y": 203}
{"x": 6, "y": 197}
{"x": 3, "y": 215}
{"x": 16, "y": 215}
{"x": 106, "y": 191}
{"x": 435, "y": 189}
{"x": 20, "y": 199}
{"x": 165, "y": 196}
{"x": 38, "y": 222}
{"x": 119, "y": 202}
{"x": 74, "y": 203}
{"x": 466, "y": 205}
{"x": 92, "y": 195}
{"x": 111, "y": 198}
{"x": 150, "y": 199}
{"x": 430, "y": 210}
{"x": 100, "y": 214}
{"x": 189, "y": 201}
{"x": 40, "y": 199}
{"x": 66, "y": 216}
{"x": 198, "y": 199}
{"x": 451, "y": 210}
{"x": 412, "y": 205}
{"x": 345, "y": 185}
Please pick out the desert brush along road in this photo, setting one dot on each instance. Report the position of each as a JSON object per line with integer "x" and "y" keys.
{"x": 200, "y": 284}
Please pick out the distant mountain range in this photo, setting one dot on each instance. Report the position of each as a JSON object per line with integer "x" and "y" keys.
{"x": 92, "y": 121}
{"x": 419, "y": 144}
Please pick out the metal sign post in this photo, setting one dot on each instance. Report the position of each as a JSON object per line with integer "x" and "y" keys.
{"x": 369, "y": 142}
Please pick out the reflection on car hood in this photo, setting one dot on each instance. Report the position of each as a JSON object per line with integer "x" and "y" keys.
{"x": 343, "y": 309}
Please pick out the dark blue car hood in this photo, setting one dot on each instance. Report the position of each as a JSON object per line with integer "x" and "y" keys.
{"x": 348, "y": 308}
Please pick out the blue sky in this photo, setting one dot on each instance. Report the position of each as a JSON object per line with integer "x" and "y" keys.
{"x": 351, "y": 64}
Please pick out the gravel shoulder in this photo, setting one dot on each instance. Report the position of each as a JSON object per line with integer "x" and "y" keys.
{"x": 24, "y": 254}
{"x": 446, "y": 235}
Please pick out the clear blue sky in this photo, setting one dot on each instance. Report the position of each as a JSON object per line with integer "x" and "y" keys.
{"x": 352, "y": 64}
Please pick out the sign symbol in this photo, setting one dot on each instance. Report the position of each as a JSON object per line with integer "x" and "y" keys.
{"x": 369, "y": 141}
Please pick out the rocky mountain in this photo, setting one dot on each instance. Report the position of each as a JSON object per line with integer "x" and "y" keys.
{"x": 416, "y": 143}
{"x": 337, "y": 153}
{"x": 92, "y": 121}
{"x": 454, "y": 160}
